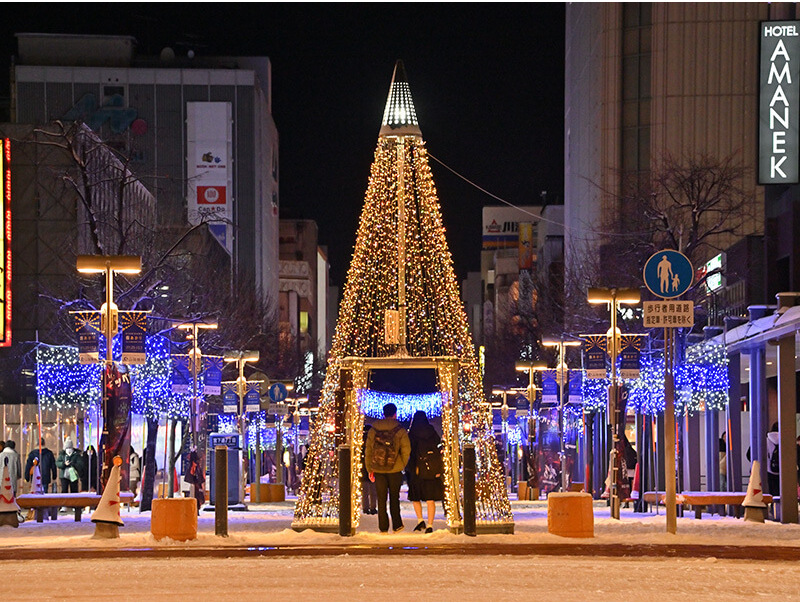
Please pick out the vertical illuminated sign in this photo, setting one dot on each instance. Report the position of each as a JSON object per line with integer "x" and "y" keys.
{"x": 5, "y": 281}
{"x": 779, "y": 100}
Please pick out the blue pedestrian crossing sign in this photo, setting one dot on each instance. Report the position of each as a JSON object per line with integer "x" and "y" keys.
{"x": 277, "y": 392}
{"x": 668, "y": 274}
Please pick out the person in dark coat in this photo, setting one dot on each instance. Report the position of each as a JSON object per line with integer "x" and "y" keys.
{"x": 47, "y": 466}
{"x": 425, "y": 469}
{"x": 70, "y": 465}
{"x": 89, "y": 470}
{"x": 369, "y": 494}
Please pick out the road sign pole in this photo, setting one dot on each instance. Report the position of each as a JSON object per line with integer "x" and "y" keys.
{"x": 668, "y": 274}
{"x": 669, "y": 431}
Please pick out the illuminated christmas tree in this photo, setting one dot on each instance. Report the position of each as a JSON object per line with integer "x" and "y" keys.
{"x": 401, "y": 308}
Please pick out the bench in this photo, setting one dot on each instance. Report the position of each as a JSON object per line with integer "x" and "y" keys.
{"x": 699, "y": 500}
{"x": 75, "y": 500}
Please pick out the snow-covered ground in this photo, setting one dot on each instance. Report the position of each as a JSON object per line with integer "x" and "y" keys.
{"x": 269, "y": 524}
{"x": 398, "y": 577}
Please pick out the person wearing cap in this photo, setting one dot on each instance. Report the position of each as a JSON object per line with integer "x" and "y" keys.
{"x": 70, "y": 466}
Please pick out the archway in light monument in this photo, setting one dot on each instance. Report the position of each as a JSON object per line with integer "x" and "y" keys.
{"x": 401, "y": 309}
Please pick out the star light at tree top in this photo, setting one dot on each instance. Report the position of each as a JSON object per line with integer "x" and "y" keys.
{"x": 401, "y": 263}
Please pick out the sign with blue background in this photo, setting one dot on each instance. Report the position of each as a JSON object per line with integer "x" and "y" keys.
{"x": 278, "y": 392}
{"x": 668, "y": 274}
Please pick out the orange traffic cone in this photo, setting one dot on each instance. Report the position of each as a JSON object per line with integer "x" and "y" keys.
{"x": 106, "y": 517}
{"x": 9, "y": 508}
{"x": 754, "y": 505}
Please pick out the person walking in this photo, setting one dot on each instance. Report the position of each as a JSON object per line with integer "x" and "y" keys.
{"x": 386, "y": 454}
{"x": 425, "y": 468}
{"x": 369, "y": 494}
{"x": 47, "y": 465}
{"x": 135, "y": 471}
{"x": 70, "y": 467}
{"x": 773, "y": 461}
{"x": 10, "y": 456}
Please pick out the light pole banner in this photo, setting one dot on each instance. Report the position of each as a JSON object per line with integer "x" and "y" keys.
{"x": 252, "y": 397}
{"x": 230, "y": 399}
{"x": 87, "y": 327}
{"x": 118, "y": 421}
{"x": 181, "y": 374}
{"x": 594, "y": 356}
{"x": 212, "y": 375}
{"x": 575, "y": 386}
{"x": 134, "y": 329}
{"x": 629, "y": 356}
{"x": 549, "y": 387}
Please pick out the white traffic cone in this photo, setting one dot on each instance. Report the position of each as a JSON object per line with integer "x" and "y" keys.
{"x": 9, "y": 508}
{"x": 36, "y": 480}
{"x": 106, "y": 517}
{"x": 754, "y": 505}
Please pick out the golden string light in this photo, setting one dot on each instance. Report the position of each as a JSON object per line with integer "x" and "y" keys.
{"x": 436, "y": 326}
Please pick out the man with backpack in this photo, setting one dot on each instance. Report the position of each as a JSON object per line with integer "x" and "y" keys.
{"x": 386, "y": 455}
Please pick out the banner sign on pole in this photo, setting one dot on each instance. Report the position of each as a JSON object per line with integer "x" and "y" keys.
{"x": 230, "y": 399}
{"x": 181, "y": 374}
{"x": 629, "y": 356}
{"x": 594, "y": 356}
{"x": 212, "y": 375}
{"x": 575, "y": 386}
{"x": 118, "y": 419}
{"x": 134, "y": 328}
{"x": 549, "y": 387}
{"x": 87, "y": 326}
{"x": 252, "y": 397}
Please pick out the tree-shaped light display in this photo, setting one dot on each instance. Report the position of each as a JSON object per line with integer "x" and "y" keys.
{"x": 402, "y": 263}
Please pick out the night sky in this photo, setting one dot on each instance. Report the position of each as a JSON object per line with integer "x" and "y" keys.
{"x": 487, "y": 81}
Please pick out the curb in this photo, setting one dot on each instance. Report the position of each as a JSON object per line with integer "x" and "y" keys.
{"x": 762, "y": 553}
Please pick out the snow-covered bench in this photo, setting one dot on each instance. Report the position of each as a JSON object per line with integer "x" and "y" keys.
{"x": 699, "y": 500}
{"x": 75, "y": 500}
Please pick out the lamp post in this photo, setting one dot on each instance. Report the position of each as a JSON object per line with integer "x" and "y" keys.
{"x": 562, "y": 376}
{"x": 108, "y": 264}
{"x": 613, "y": 297}
{"x": 197, "y": 414}
{"x": 241, "y": 358}
{"x": 531, "y": 368}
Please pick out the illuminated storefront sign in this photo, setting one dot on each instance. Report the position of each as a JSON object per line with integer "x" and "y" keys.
{"x": 779, "y": 100}
{"x": 5, "y": 281}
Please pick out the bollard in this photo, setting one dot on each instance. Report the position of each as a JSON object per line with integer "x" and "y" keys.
{"x": 221, "y": 491}
{"x": 345, "y": 492}
{"x": 469, "y": 489}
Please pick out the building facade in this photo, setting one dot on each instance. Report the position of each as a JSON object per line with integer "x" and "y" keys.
{"x": 197, "y": 131}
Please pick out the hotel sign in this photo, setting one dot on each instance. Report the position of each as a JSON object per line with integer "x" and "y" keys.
{"x": 779, "y": 102}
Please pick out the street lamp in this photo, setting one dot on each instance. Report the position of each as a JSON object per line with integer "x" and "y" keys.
{"x": 562, "y": 374}
{"x": 109, "y": 264}
{"x": 196, "y": 359}
{"x": 613, "y": 297}
{"x": 241, "y": 358}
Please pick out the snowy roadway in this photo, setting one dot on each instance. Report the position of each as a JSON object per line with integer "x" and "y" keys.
{"x": 399, "y": 574}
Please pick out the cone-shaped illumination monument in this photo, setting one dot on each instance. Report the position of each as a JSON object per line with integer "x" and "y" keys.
{"x": 401, "y": 309}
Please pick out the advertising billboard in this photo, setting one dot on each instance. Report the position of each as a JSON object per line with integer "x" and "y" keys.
{"x": 779, "y": 100}
{"x": 501, "y": 226}
{"x": 209, "y": 152}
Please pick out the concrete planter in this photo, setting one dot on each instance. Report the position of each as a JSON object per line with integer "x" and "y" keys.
{"x": 174, "y": 518}
{"x": 570, "y": 514}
